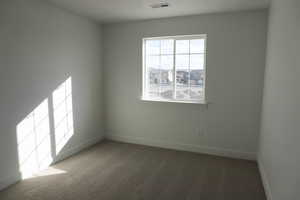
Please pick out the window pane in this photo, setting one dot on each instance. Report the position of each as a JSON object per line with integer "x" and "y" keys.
{"x": 182, "y": 84}
{"x": 152, "y": 62}
{"x": 167, "y": 46}
{"x": 152, "y": 47}
{"x": 197, "y": 61}
{"x": 166, "y": 76}
{"x": 197, "y": 77}
{"x": 166, "y": 84}
{"x": 182, "y": 46}
{"x": 197, "y": 46}
{"x": 182, "y": 61}
{"x": 167, "y": 62}
{"x": 153, "y": 82}
{"x": 197, "y": 93}
{"x": 197, "y": 84}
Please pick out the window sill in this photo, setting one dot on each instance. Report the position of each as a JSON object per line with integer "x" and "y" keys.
{"x": 203, "y": 102}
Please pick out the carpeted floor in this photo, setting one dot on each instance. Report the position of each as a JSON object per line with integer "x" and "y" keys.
{"x": 119, "y": 171}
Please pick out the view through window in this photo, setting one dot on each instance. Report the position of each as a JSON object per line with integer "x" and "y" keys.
{"x": 174, "y": 68}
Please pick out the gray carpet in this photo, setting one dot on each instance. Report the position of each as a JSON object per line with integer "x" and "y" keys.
{"x": 119, "y": 171}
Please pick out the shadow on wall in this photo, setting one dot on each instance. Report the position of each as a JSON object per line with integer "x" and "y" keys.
{"x": 43, "y": 133}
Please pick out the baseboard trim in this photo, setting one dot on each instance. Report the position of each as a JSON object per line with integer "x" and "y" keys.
{"x": 265, "y": 180}
{"x": 10, "y": 180}
{"x": 183, "y": 147}
{"x": 72, "y": 151}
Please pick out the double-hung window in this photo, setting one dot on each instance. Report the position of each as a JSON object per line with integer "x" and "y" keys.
{"x": 174, "y": 68}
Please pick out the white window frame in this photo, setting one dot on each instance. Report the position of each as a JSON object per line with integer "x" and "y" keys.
{"x": 144, "y": 71}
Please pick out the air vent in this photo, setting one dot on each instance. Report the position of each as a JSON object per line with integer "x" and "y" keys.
{"x": 160, "y": 5}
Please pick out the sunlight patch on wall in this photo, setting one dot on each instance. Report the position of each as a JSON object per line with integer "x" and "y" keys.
{"x": 63, "y": 114}
{"x": 43, "y": 133}
{"x": 34, "y": 142}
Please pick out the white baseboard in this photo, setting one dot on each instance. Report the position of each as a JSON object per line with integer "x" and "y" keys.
{"x": 4, "y": 183}
{"x": 265, "y": 180}
{"x": 71, "y": 151}
{"x": 184, "y": 147}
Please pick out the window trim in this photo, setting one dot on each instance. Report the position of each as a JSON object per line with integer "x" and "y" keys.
{"x": 144, "y": 78}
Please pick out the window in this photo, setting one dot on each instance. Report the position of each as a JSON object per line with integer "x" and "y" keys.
{"x": 174, "y": 69}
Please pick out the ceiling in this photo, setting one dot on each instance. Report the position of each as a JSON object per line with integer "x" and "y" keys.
{"x": 109, "y": 11}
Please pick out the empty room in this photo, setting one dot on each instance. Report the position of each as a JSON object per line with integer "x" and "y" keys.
{"x": 149, "y": 100}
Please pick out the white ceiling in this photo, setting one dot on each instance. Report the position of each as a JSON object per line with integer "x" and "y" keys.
{"x": 107, "y": 11}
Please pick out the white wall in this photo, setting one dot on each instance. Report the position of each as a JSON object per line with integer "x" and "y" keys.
{"x": 235, "y": 69}
{"x": 40, "y": 47}
{"x": 279, "y": 158}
